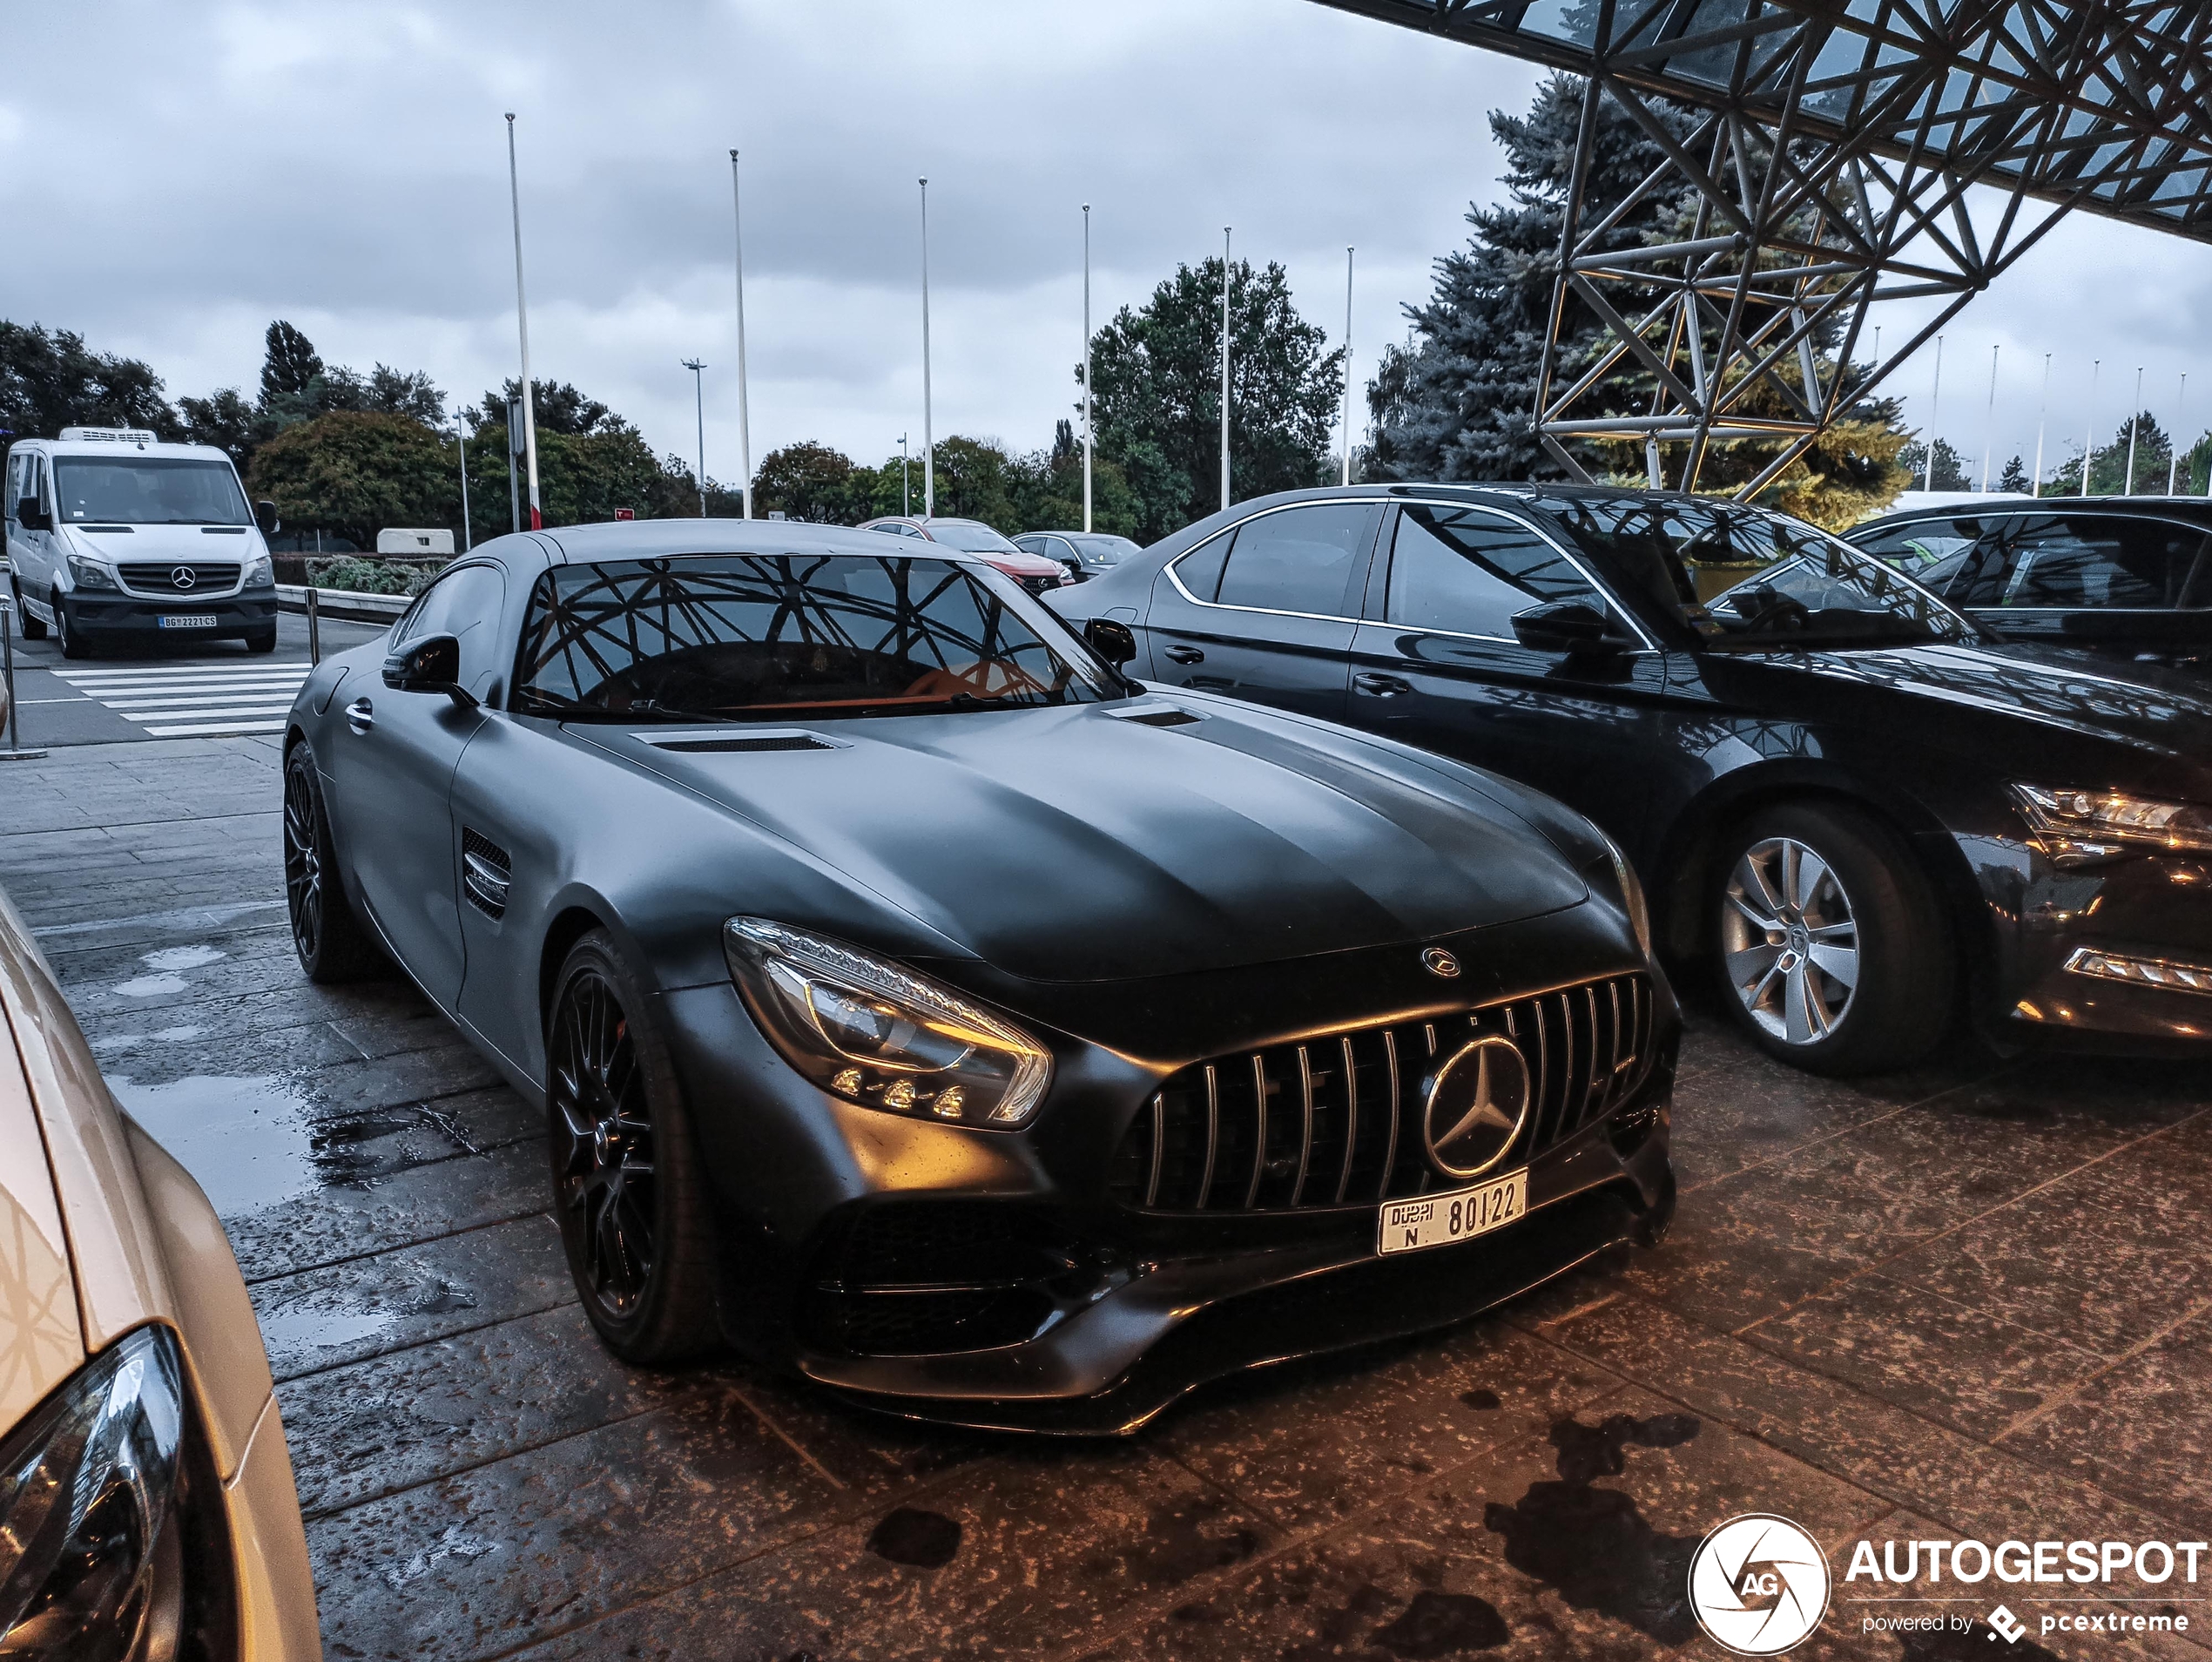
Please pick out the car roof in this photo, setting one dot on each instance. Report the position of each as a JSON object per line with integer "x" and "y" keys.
{"x": 2198, "y": 509}
{"x": 650, "y": 539}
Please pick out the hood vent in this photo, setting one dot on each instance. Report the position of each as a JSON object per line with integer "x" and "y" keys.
{"x": 1158, "y": 715}
{"x": 734, "y": 743}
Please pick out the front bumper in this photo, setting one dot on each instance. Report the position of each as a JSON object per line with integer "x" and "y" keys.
{"x": 991, "y": 1278}
{"x": 100, "y": 616}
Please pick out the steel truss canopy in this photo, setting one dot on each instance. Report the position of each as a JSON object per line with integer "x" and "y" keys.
{"x": 1831, "y": 162}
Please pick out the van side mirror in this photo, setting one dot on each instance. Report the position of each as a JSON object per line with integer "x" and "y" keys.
{"x": 1567, "y": 628}
{"x": 431, "y": 665}
{"x": 265, "y": 515}
{"x": 1112, "y": 640}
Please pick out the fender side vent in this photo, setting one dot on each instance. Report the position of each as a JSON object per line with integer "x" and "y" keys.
{"x": 485, "y": 871}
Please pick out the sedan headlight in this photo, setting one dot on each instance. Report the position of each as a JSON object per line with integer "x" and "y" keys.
{"x": 91, "y": 574}
{"x": 89, "y": 1549}
{"x": 2081, "y": 821}
{"x": 259, "y": 573}
{"x": 876, "y": 1033}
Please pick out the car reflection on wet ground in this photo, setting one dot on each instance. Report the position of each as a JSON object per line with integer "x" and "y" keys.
{"x": 1970, "y": 1301}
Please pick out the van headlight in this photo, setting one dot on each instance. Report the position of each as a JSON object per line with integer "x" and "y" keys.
{"x": 90, "y": 1514}
{"x": 260, "y": 572}
{"x": 876, "y": 1033}
{"x": 91, "y": 574}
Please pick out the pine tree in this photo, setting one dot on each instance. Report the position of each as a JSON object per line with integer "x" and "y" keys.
{"x": 2014, "y": 479}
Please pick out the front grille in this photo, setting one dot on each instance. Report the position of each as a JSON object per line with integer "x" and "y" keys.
{"x": 1337, "y": 1121}
{"x": 1040, "y": 585}
{"x": 161, "y": 575}
{"x": 911, "y": 1277}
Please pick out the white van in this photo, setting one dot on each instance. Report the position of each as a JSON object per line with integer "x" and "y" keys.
{"x": 114, "y": 535}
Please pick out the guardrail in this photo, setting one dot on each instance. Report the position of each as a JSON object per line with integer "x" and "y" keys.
{"x": 349, "y": 603}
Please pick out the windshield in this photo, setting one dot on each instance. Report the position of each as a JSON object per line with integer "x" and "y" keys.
{"x": 717, "y": 637}
{"x": 1102, "y": 551}
{"x": 969, "y": 538}
{"x": 1742, "y": 578}
{"x": 147, "y": 491}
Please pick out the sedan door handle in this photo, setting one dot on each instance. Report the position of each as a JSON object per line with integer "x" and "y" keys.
{"x": 360, "y": 715}
{"x": 1382, "y": 686}
{"x": 1184, "y": 655}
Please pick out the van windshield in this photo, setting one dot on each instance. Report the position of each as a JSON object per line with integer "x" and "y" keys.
{"x": 147, "y": 491}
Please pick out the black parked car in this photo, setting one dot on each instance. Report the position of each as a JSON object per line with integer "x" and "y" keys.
{"x": 1847, "y": 801}
{"x": 1083, "y": 555}
{"x": 2128, "y": 578}
{"x": 932, "y": 1010}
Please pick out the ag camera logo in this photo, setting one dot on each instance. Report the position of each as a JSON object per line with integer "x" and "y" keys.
{"x": 1758, "y": 1585}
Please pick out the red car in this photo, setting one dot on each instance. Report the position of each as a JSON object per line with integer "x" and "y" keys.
{"x": 1032, "y": 571}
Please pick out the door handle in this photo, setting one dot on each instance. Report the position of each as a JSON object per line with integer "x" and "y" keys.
{"x": 1382, "y": 686}
{"x": 1184, "y": 655}
{"x": 360, "y": 715}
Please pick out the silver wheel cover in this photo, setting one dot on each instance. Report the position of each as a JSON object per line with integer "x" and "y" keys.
{"x": 1789, "y": 941}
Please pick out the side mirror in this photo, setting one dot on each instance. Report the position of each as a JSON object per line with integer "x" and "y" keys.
{"x": 1566, "y": 627}
{"x": 265, "y": 515}
{"x": 431, "y": 665}
{"x": 1112, "y": 640}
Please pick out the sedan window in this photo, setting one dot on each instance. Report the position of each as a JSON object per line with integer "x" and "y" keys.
{"x": 1300, "y": 559}
{"x": 713, "y": 636}
{"x": 1468, "y": 572}
{"x": 2075, "y": 561}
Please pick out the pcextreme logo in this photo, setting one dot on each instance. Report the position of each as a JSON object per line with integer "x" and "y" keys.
{"x": 1758, "y": 1585}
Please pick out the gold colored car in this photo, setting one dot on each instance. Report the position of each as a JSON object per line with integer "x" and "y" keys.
{"x": 147, "y": 1511}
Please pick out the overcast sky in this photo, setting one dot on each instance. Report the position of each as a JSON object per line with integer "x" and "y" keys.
{"x": 184, "y": 173}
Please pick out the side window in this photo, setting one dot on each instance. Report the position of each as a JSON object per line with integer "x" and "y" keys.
{"x": 1931, "y": 551}
{"x": 1300, "y": 559}
{"x": 464, "y": 602}
{"x": 1469, "y": 573}
{"x": 1200, "y": 571}
{"x": 15, "y": 479}
{"x": 2078, "y": 561}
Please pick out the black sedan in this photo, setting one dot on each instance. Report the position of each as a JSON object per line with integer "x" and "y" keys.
{"x": 925, "y": 1007}
{"x": 2123, "y": 577}
{"x": 1858, "y": 812}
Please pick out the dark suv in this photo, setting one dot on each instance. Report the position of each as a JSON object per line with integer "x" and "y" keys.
{"x": 2128, "y": 577}
{"x": 1852, "y": 807}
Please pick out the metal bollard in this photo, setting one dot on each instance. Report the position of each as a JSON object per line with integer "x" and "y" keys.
{"x": 14, "y": 752}
{"x": 314, "y": 623}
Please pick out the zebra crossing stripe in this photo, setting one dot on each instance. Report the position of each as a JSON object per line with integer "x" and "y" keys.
{"x": 195, "y": 701}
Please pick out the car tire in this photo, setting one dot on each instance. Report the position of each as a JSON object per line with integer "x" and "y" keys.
{"x": 27, "y": 626}
{"x": 1832, "y": 947}
{"x": 262, "y": 640}
{"x": 71, "y": 641}
{"x": 334, "y": 944}
{"x": 644, "y": 1262}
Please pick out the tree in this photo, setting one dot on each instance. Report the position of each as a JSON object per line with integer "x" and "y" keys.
{"x": 807, "y": 482}
{"x": 290, "y": 365}
{"x": 356, "y": 472}
{"x": 555, "y": 406}
{"x": 297, "y": 386}
{"x": 2015, "y": 478}
{"x": 50, "y": 381}
{"x": 1949, "y": 473}
{"x": 1157, "y": 393}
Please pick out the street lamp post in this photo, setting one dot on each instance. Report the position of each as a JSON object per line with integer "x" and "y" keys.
{"x": 698, "y": 399}
{"x": 461, "y": 438}
{"x": 2042, "y": 415}
{"x": 522, "y": 327}
{"x": 928, "y": 425}
{"x": 1224, "y": 366}
{"x": 905, "y": 485}
{"x": 2174, "y": 445}
{"x": 745, "y": 415}
{"x": 1087, "y": 403}
{"x": 2089, "y": 434}
{"x": 1347, "y": 364}
{"x": 1935, "y": 402}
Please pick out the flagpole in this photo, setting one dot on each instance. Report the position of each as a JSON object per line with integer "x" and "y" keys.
{"x": 1935, "y": 402}
{"x": 1347, "y": 365}
{"x": 929, "y": 432}
{"x": 2134, "y": 426}
{"x": 745, "y": 414}
{"x": 2042, "y": 415}
{"x": 1088, "y": 415}
{"x": 2090, "y": 435}
{"x": 1224, "y": 366}
{"x": 2174, "y": 445}
{"x": 1989, "y": 422}
{"x": 522, "y": 327}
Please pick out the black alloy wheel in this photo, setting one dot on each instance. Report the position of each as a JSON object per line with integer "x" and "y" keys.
{"x": 1834, "y": 952}
{"x": 625, "y": 1186}
{"x": 27, "y": 626}
{"x": 332, "y": 943}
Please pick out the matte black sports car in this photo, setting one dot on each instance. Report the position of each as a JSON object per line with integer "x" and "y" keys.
{"x": 2124, "y": 577}
{"x": 1854, "y": 811}
{"x": 928, "y": 1008}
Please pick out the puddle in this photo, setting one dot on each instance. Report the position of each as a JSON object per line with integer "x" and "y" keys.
{"x": 455, "y": 1543}
{"x": 131, "y": 1041}
{"x": 183, "y": 958}
{"x": 910, "y": 1536}
{"x": 150, "y": 986}
{"x": 245, "y": 1139}
{"x": 324, "y": 1318}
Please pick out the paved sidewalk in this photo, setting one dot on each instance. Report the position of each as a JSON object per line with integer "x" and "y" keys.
{"x": 1972, "y": 1302}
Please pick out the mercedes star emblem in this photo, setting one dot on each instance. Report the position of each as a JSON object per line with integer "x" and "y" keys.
{"x": 1477, "y": 1102}
{"x": 1438, "y": 962}
{"x": 183, "y": 577}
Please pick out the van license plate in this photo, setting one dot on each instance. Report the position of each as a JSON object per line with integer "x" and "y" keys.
{"x": 1439, "y": 1219}
{"x": 185, "y": 620}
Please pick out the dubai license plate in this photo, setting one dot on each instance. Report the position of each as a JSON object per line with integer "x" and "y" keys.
{"x": 185, "y": 620}
{"x": 1439, "y": 1219}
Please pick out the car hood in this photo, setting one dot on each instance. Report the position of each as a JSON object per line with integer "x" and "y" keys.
{"x": 165, "y": 543}
{"x": 1076, "y": 844}
{"x": 2021, "y": 708}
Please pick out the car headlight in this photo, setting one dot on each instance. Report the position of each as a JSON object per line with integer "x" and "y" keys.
{"x": 89, "y": 1548}
{"x": 2084, "y": 823}
{"x": 876, "y": 1033}
{"x": 1631, "y": 892}
{"x": 91, "y": 574}
{"x": 261, "y": 573}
